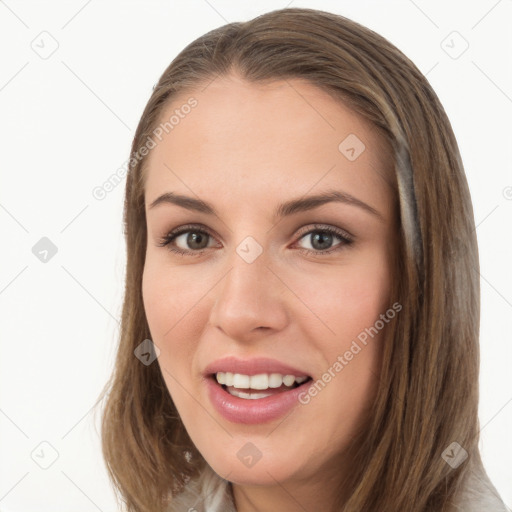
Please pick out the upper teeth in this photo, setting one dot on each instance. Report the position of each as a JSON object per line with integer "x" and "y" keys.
{"x": 261, "y": 381}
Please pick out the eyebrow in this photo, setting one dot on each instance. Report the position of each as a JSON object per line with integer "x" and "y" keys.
{"x": 285, "y": 209}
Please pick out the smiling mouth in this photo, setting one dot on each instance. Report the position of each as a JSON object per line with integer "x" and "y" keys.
{"x": 254, "y": 387}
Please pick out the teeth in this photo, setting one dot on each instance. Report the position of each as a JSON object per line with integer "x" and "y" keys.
{"x": 250, "y": 396}
{"x": 228, "y": 379}
{"x": 275, "y": 380}
{"x": 241, "y": 381}
{"x": 288, "y": 380}
{"x": 261, "y": 381}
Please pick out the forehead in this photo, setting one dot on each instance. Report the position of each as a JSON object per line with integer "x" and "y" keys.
{"x": 258, "y": 141}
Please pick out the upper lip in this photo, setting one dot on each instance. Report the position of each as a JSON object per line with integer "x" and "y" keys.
{"x": 252, "y": 366}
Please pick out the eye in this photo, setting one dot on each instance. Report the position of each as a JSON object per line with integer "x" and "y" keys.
{"x": 322, "y": 237}
{"x": 196, "y": 240}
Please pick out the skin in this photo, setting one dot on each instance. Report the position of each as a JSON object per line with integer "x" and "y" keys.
{"x": 246, "y": 148}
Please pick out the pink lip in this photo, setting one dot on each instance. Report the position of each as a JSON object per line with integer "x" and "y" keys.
{"x": 253, "y": 366}
{"x": 261, "y": 410}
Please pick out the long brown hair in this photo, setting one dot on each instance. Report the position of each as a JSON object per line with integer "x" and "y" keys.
{"x": 428, "y": 393}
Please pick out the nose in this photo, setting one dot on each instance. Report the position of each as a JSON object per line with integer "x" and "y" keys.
{"x": 249, "y": 300}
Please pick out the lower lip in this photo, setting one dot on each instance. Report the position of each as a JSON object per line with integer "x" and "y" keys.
{"x": 260, "y": 410}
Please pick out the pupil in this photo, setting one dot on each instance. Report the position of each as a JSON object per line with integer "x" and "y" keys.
{"x": 192, "y": 239}
{"x": 322, "y": 236}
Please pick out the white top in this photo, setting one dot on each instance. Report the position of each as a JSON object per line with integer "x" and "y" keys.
{"x": 210, "y": 493}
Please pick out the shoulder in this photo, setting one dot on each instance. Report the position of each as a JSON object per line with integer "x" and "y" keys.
{"x": 210, "y": 493}
{"x": 479, "y": 494}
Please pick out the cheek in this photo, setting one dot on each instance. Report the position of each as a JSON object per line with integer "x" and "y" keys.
{"x": 350, "y": 303}
{"x": 172, "y": 304}
{"x": 345, "y": 300}
{"x": 171, "y": 296}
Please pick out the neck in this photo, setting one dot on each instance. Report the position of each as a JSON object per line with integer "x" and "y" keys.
{"x": 293, "y": 495}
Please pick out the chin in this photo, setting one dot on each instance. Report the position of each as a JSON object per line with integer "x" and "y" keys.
{"x": 263, "y": 470}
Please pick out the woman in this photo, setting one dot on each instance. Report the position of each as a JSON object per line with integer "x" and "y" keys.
{"x": 256, "y": 372}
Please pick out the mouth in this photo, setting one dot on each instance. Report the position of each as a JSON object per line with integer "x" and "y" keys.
{"x": 255, "y": 390}
{"x": 260, "y": 386}
{"x": 255, "y": 399}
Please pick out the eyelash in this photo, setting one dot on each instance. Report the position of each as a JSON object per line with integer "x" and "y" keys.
{"x": 346, "y": 239}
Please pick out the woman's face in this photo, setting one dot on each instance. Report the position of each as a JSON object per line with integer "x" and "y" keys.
{"x": 253, "y": 295}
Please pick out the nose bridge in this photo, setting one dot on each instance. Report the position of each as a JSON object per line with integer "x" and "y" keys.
{"x": 248, "y": 279}
{"x": 249, "y": 263}
{"x": 250, "y": 295}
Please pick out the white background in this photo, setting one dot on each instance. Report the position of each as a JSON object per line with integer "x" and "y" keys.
{"x": 66, "y": 125}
